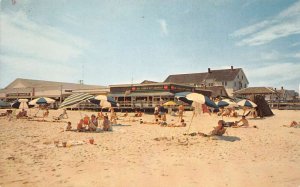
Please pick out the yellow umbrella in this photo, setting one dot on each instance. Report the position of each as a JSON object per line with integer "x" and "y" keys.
{"x": 170, "y": 103}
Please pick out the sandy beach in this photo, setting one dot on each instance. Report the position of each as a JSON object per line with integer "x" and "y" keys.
{"x": 132, "y": 156}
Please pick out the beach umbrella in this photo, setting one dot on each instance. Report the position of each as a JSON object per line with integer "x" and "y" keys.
{"x": 247, "y": 103}
{"x": 4, "y": 104}
{"x": 189, "y": 98}
{"x": 42, "y": 100}
{"x": 170, "y": 103}
{"x": 104, "y": 101}
{"x": 226, "y": 103}
{"x": 21, "y": 104}
{"x": 75, "y": 99}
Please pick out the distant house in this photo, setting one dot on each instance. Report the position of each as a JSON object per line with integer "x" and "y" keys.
{"x": 287, "y": 95}
{"x": 232, "y": 79}
{"x": 30, "y": 89}
{"x": 271, "y": 94}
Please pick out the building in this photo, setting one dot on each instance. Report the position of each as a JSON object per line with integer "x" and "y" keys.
{"x": 268, "y": 92}
{"x": 148, "y": 95}
{"x": 232, "y": 79}
{"x": 30, "y": 89}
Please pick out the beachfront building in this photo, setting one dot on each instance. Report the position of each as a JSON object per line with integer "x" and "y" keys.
{"x": 147, "y": 95}
{"x": 232, "y": 79}
{"x": 31, "y": 89}
{"x": 248, "y": 93}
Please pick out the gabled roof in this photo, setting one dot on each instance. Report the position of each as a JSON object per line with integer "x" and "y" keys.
{"x": 255, "y": 90}
{"x": 148, "y": 82}
{"x": 30, "y": 83}
{"x": 198, "y": 78}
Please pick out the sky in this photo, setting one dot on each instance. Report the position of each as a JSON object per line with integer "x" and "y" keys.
{"x": 123, "y": 41}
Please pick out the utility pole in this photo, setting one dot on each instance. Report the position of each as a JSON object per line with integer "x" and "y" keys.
{"x": 60, "y": 93}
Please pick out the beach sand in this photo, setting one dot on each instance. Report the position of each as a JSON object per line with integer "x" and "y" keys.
{"x": 130, "y": 156}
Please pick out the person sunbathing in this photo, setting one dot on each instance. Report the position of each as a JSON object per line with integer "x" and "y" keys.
{"x": 180, "y": 124}
{"x": 233, "y": 113}
{"x": 244, "y": 122}
{"x": 218, "y": 130}
{"x": 226, "y": 112}
{"x": 126, "y": 114}
{"x": 65, "y": 115}
{"x": 294, "y": 124}
{"x": 22, "y": 113}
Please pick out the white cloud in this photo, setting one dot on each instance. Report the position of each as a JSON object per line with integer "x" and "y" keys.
{"x": 163, "y": 27}
{"x": 284, "y": 24}
{"x": 23, "y": 37}
{"x": 276, "y": 75}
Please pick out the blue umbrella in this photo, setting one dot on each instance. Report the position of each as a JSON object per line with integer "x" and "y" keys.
{"x": 226, "y": 103}
{"x": 189, "y": 98}
{"x": 22, "y": 104}
{"x": 42, "y": 101}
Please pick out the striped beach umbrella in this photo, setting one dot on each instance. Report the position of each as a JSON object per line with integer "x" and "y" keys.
{"x": 75, "y": 99}
{"x": 226, "y": 103}
{"x": 42, "y": 100}
{"x": 189, "y": 98}
{"x": 247, "y": 103}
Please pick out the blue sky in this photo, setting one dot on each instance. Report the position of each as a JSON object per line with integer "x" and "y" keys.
{"x": 116, "y": 41}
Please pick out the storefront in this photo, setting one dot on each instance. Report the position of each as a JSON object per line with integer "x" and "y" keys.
{"x": 147, "y": 96}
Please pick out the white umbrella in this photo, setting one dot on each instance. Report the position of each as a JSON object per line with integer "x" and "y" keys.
{"x": 42, "y": 100}
{"x": 247, "y": 103}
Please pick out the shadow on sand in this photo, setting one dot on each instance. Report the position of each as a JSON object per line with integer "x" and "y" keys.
{"x": 227, "y": 138}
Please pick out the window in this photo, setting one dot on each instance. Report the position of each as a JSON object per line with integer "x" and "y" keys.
{"x": 238, "y": 76}
{"x": 224, "y": 83}
{"x": 242, "y": 77}
{"x": 234, "y": 84}
{"x": 245, "y": 85}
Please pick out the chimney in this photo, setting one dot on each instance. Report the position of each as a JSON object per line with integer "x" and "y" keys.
{"x": 209, "y": 70}
{"x": 281, "y": 87}
{"x": 231, "y": 67}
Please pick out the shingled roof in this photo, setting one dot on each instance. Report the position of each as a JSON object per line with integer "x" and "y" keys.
{"x": 30, "y": 83}
{"x": 255, "y": 90}
{"x": 198, "y": 78}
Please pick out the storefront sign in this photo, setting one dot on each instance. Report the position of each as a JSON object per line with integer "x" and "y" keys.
{"x": 17, "y": 94}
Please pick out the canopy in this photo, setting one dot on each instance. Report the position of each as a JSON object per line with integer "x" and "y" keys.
{"x": 75, "y": 99}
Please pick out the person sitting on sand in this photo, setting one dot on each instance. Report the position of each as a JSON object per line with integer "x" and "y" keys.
{"x": 226, "y": 112}
{"x": 65, "y": 115}
{"x": 244, "y": 122}
{"x": 138, "y": 114}
{"x": 233, "y": 113}
{"x": 80, "y": 126}
{"x": 22, "y": 113}
{"x": 94, "y": 120}
{"x": 106, "y": 123}
{"x": 219, "y": 130}
{"x": 69, "y": 126}
{"x": 180, "y": 112}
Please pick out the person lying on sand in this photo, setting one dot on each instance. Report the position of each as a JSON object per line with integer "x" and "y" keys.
{"x": 125, "y": 115}
{"x": 295, "y": 124}
{"x": 180, "y": 124}
{"x": 218, "y": 130}
{"x": 156, "y": 122}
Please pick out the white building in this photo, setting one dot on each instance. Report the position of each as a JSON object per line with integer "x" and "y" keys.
{"x": 232, "y": 79}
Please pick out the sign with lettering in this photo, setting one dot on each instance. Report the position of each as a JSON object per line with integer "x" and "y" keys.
{"x": 17, "y": 94}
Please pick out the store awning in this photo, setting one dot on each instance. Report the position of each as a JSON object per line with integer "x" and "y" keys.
{"x": 137, "y": 94}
